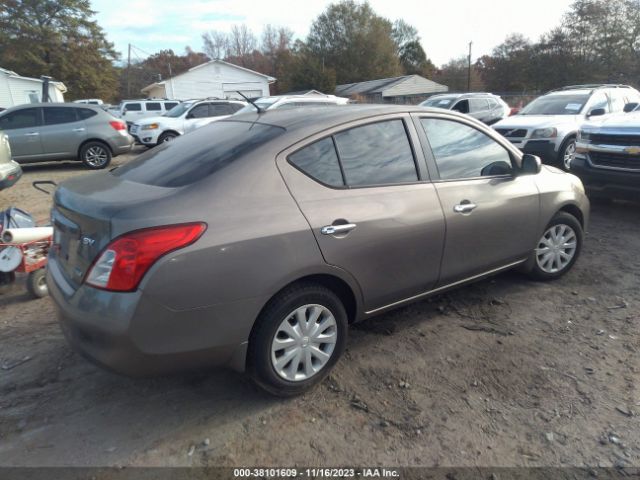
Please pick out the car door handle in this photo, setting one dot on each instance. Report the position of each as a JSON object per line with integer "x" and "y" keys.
{"x": 32, "y": 134}
{"x": 464, "y": 207}
{"x": 78, "y": 129}
{"x": 334, "y": 229}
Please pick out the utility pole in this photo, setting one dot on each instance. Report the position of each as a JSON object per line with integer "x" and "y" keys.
{"x": 129, "y": 72}
{"x": 469, "y": 70}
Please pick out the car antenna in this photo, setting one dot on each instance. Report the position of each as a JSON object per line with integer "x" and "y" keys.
{"x": 260, "y": 110}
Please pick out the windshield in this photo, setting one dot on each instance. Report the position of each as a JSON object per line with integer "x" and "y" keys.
{"x": 556, "y": 105}
{"x": 440, "y": 102}
{"x": 263, "y": 103}
{"x": 197, "y": 155}
{"x": 178, "y": 110}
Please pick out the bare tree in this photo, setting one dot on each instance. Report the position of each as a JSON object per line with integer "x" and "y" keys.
{"x": 216, "y": 44}
{"x": 242, "y": 41}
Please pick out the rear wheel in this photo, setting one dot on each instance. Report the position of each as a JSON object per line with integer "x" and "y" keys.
{"x": 95, "y": 155}
{"x": 558, "y": 248}
{"x": 37, "y": 284}
{"x": 297, "y": 339}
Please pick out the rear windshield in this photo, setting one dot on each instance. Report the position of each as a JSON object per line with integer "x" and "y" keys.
{"x": 197, "y": 155}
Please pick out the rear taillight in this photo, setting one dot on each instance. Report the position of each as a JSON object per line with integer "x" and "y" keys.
{"x": 124, "y": 262}
{"x": 118, "y": 125}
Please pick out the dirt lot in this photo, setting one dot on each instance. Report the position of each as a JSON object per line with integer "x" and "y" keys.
{"x": 507, "y": 372}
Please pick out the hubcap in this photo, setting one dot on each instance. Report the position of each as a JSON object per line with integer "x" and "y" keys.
{"x": 304, "y": 342}
{"x": 168, "y": 138}
{"x": 569, "y": 153}
{"x": 96, "y": 156}
{"x": 556, "y": 248}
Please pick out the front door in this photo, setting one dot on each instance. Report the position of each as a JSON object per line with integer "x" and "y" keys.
{"x": 373, "y": 214}
{"x": 492, "y": 214}
{"x": 23, "y": 129}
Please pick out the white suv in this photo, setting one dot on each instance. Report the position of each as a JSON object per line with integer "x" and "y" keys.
{"x": 132, "y": 111}
{"x": 548, "y": 126}
{"x": 183, "y": 118}
{"x": 295, "y": 101}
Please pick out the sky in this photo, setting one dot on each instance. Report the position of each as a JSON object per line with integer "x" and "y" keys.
{"x": 445, "y": 26}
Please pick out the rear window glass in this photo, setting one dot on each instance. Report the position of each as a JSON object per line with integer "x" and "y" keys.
{"x": 85, "y": 113}
{"x": 197, "y": 155}
{"x": 320, "y": 161}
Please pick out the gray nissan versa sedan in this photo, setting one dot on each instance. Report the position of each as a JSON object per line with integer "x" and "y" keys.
{"x": 255, "y": 241}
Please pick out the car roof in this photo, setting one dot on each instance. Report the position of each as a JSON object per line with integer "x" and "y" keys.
{"x": 97, "y": 108}
{"x": 321, "y": 118}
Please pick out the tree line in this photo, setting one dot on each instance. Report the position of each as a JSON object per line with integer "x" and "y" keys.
{"x": 596, "y": 41}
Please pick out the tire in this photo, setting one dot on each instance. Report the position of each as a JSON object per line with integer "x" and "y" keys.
{"x": 37, "y": 284}
{"x": 167, "y": 137}
{"x": 308, "y": 362}
{"x": 95, "y": 155}
{"x": 548, "y": 263}
{"x": 567, "y": 150}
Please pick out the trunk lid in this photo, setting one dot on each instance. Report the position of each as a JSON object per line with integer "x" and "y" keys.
{"x": 82, "y": 217}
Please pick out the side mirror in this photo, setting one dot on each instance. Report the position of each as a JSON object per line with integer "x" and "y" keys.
{"x": 630, "y": 107}
{"x": 596, "y": 112}
{"x": 531, "y": 164}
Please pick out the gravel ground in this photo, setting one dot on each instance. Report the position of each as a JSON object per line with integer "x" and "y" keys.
{"x": 506, "y": 372}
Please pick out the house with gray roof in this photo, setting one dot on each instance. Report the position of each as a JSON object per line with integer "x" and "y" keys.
{"x": 405, "y": 89}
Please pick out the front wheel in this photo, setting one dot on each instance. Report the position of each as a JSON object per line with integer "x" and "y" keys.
{"x": 558, "y": 248}
{"x": 167, "y": 137}
{"x": 297, "y": 339}
{"x": 567, "y": 152}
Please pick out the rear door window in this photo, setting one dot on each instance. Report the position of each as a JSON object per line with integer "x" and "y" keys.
{"x": 153, "y": 107}
{"x": 376, "y": 154}
{"x": 85, "y": 113}
{"x": 58, "y": 115}
{"x": 199, "y": 111}
{"x": 219, "y": 109}
{"x": 196, "y": 156}
{"x": 24, "y": 118}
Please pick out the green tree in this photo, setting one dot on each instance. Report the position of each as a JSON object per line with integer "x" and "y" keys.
{"x": 412, "y": 56}
{"x": 350, "y": 39}
{"x": 58, "y": 38}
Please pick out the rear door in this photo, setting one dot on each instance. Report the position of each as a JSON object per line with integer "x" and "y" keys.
{"x": 492, "y": 214}
{"x": 479, "y": 109}
{"x": 23, "y": 129}
{"x": 63, "y": 131}
{"x": 365, "y": 192}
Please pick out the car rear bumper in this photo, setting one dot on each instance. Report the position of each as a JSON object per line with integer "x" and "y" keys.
{"x": 609, "y": 182}
{"x": 134, "y": 335}
{"x": 9, "y": 177}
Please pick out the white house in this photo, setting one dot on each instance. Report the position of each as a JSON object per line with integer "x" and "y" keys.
{"x": 216, "y": 78}
{"x": 16, "y": 90}
{"x": 405, "y": 89}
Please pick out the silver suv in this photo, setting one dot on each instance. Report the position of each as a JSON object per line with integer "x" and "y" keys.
{"x": 486, "y": 107}
{"x": 548, "y": 126}
{"x": 43, "y": 132}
